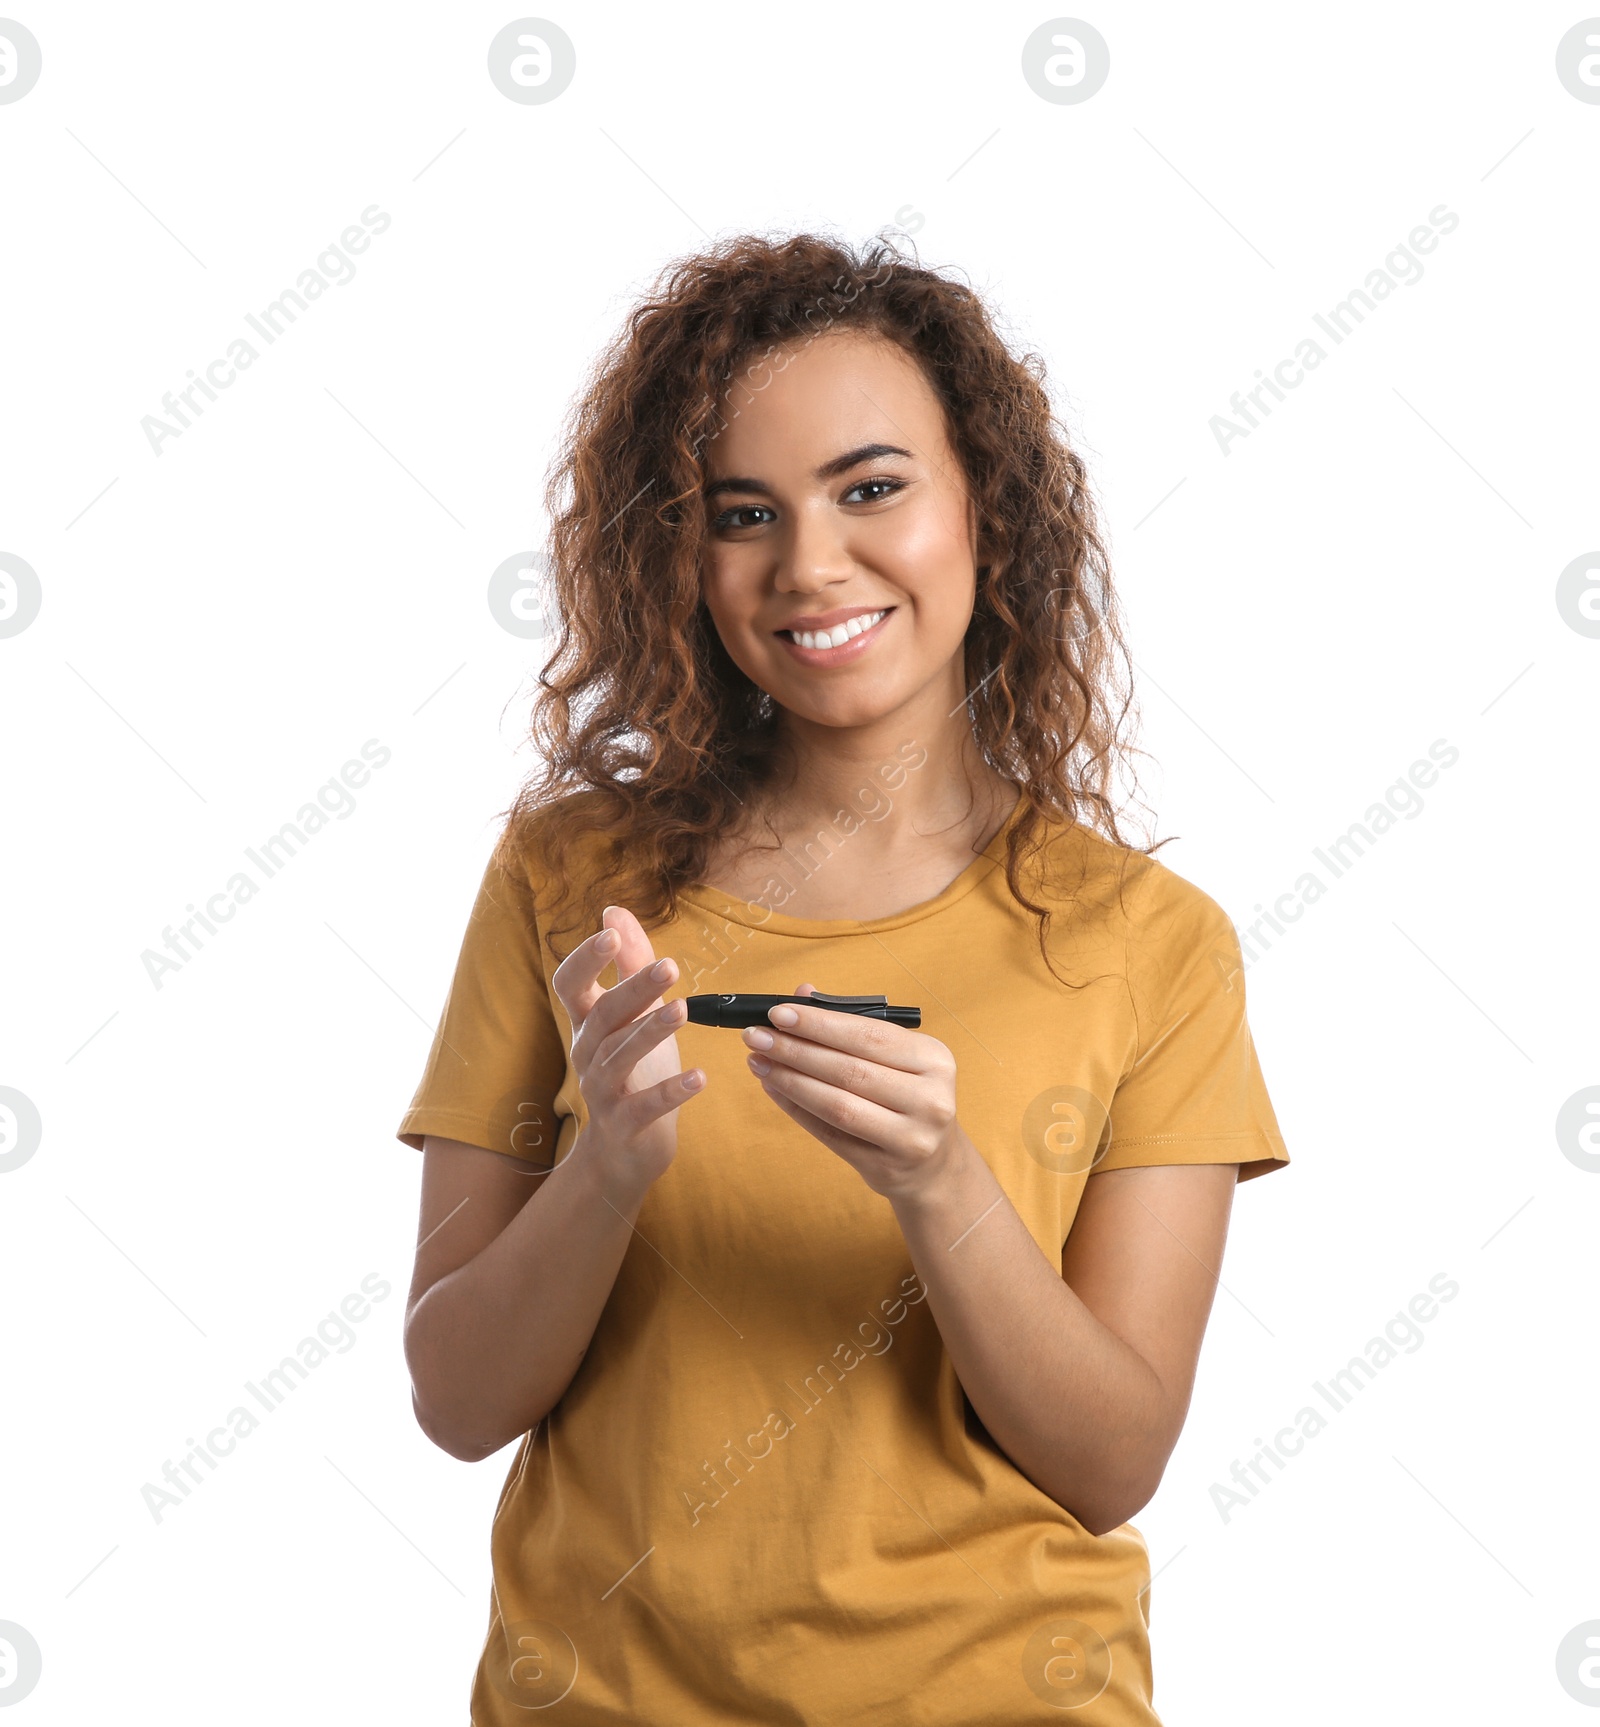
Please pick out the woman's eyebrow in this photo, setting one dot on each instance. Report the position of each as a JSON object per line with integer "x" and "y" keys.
{"x": 828, "y": 471}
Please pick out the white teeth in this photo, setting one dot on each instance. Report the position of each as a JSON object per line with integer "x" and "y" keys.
{"x": 839, "y": 634}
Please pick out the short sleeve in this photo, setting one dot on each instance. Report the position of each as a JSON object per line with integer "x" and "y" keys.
{"x": 1194, "y": 1091}
{"x": 499, "y": 1056}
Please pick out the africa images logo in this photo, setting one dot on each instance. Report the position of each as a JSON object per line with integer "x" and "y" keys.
{"x": 1403, "y": 267}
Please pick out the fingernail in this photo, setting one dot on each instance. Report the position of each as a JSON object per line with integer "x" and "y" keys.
{"x": 661, "y": 971}
{"x": 784, "y": 1016}
{"x": 607, "y": 941}
{"x": 759, "y": 1064}
{"x": 757, "y": 1038}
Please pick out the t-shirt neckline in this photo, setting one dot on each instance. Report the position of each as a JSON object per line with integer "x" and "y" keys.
{"x": 754, "y": 915}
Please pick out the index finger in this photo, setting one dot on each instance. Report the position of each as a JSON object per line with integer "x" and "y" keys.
{"x": 879, "y": 1040}
{"x": 576, "y": 980}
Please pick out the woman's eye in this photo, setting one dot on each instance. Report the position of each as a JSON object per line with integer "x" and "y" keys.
{"x": 739, "y": 516}
{"x": 728, "y": 517}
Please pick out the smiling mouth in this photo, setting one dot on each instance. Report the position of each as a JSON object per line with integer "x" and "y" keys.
{"x": 839, "y": 634}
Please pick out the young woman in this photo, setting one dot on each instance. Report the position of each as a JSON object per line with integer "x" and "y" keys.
{"x": 839, "y": 1353}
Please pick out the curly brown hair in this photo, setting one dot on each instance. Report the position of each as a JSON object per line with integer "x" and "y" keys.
{"x": 649, "y": 733}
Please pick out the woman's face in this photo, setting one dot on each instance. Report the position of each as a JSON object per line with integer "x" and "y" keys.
{"x": 834, "y": 494}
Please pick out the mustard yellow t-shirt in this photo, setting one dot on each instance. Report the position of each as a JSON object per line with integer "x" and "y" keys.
{"x": 763, "y": 1498}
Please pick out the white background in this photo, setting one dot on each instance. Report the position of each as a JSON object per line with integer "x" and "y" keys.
{"x": 305, "y": 568}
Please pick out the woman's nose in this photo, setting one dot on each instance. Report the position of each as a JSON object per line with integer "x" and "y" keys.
{"x": 815, "y": 553}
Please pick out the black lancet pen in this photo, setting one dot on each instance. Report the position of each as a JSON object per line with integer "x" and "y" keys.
{"x": 737, "y": 1011}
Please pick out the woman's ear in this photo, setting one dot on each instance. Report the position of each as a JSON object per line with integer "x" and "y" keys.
{"x": 985, "y": 552}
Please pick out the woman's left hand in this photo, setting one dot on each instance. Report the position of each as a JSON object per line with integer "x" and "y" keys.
{"x": 883, "y": 1097}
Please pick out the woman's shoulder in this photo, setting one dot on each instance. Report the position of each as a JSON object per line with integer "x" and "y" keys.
{"x": 1133, "y": 891}
{"x": 565, "y": 836}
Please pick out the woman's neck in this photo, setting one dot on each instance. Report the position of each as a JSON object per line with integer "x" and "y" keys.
{"x": 906, "y": 800}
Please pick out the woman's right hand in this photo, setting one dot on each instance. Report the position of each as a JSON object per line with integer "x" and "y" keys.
{"x": 625, "y": 1051}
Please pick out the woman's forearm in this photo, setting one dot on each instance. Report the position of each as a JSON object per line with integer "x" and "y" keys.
{"x": 492, "y": 1346}
{"x": 1080, "y": 1412}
